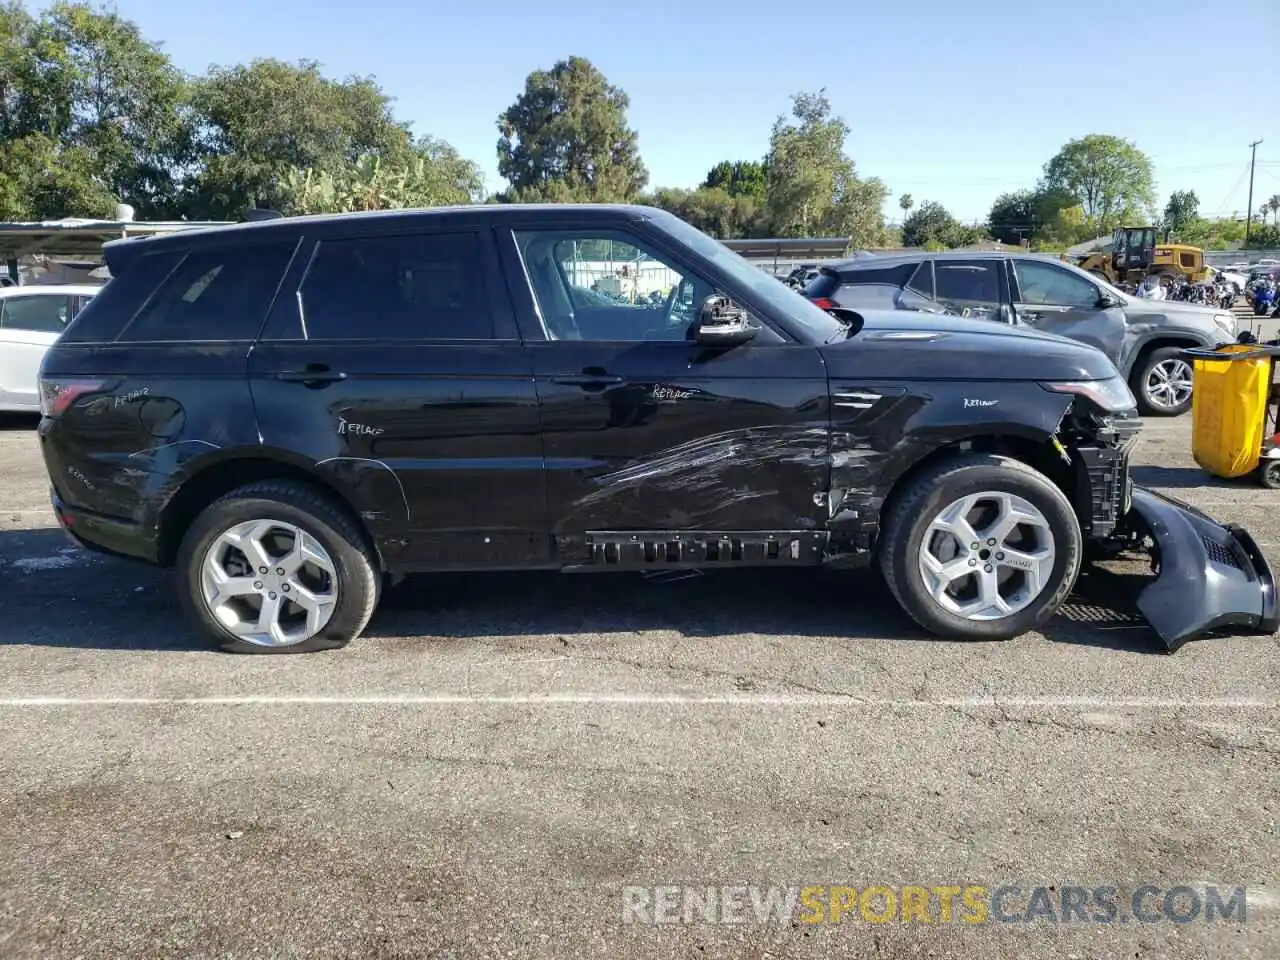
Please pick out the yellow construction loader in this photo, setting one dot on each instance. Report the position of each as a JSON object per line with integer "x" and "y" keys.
{"x": 1135, "y": 254}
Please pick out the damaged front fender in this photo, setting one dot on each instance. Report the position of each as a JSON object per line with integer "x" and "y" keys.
{"x": 1212, "y": 576}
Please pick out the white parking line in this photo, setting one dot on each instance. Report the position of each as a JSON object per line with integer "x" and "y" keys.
{"x": 649, "y": 699}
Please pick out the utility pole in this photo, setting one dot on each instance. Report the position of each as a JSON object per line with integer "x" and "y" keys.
{"x": 1248, "y": 213}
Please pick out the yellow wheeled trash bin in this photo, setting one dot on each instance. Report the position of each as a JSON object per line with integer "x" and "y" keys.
{"x": 1233, "y": 407}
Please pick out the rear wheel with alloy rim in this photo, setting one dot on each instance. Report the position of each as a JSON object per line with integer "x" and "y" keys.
{"x": 1163, "y": 383}
{"x": 276, "y": 567}
{"x": 981, "y": 547}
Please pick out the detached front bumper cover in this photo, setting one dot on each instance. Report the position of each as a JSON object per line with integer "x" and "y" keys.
{"x": 1212, "y": 576}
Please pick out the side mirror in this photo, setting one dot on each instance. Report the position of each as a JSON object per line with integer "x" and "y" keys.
{"x": 721, "y": 323}
{"x": 1106, "y": 301}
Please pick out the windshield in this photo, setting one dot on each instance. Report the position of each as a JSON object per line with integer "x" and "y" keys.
{"x": 815, "y": 322}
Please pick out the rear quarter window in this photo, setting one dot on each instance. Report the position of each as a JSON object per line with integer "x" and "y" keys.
{"x": 112, "y": 307}
{"x": 217, "y": 294}
{"x": 879, "y": 295}
{"x": 896, "y": 275}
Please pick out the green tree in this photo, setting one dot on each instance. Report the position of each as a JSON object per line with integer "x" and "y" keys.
{"x": 90, "y": 113}
{"x": 261, "y": 120}
{"x": 565, "y": 138}
{"x": 1266, "y": 237}
{"x": 434, "y": 175}
{"x": 1014, "y": 216}
{"x": 1212, "y": 234}
{"x": 812, "y": 185}
{"x": 713, "y": 210}
{"x": 39, "y": 179}
{"x": 1182, "y": 209}
{"x": 932, "y": 225}
{"x": 906, "y": 202}
{"x": 1110, "y": 178}
{"x": 743, "y": 178}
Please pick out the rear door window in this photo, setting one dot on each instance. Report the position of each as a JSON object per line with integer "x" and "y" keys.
{"x": 429, "y": 286}
{"x": 967, "y": 281}
{"x": 41, "y": 313}
{"x": 218, "y": 294}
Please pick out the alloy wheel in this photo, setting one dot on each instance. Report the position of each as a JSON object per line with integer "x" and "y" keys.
{"x": 1169, "y": 383}
{"x": 987, "y": 556}
{"x": 269, "y": 583}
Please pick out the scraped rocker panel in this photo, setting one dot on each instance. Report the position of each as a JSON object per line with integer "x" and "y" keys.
{"x": 644, "y": 549}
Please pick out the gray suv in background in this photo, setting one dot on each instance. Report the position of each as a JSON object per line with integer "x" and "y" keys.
{"x": 1142, "y": 337}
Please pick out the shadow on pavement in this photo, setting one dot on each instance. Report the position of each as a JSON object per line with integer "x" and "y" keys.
{"x": 1183, "y": 478}
{"x": 19, "y": 422}
{"x": 55, "y": 594}
{"x": 1102, "y": 612}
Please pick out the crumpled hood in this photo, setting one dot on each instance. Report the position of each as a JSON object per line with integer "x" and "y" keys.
{"x": 919, "y": 346}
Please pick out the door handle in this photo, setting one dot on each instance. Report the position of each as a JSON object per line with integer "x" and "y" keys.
{"x": 312, "y": 375}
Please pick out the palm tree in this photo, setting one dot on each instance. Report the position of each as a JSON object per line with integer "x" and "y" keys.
{"x": 906, "y": 202}
{"x": 1274, "y": 204}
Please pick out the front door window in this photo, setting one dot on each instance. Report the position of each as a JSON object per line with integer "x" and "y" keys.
{"x": 1043, "y": 284}
{"x": 607, "y": 286}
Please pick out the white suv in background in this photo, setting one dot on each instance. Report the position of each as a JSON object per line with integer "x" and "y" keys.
{"x": 31, "y": 320}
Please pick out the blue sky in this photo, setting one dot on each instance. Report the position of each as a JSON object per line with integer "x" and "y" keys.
{"x": 953, "y": 102}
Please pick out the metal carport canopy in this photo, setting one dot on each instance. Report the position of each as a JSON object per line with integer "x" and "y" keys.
{"x": 79, "y": 239}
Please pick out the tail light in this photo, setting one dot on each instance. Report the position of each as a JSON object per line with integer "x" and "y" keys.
{"x": 823, "y": 302}
{"x": 58, "y": 395}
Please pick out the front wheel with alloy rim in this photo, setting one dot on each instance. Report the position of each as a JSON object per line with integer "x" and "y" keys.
{"x": 981, "y": 547}
{"x": 276, "y": 567}
{"x": 1162, "y": 383}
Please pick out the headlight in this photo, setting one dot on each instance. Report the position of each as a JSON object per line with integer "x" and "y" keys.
{"x": 1228, "y": 324}
{"x": 1113, "y": 395}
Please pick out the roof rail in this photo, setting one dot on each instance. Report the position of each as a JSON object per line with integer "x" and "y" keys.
{"x": 262, "y": 213}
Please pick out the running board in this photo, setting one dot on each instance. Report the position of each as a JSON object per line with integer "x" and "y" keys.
{"x": 646, "y": 549}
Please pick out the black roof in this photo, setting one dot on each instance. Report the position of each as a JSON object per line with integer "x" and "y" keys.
{"x": 377, "y": 220}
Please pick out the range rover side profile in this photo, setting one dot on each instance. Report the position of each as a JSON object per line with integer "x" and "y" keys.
{"x": 293, "y": 412}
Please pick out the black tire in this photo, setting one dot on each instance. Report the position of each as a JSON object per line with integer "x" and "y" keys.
{"x": 358, "y": 580}
{"x": 1138, "y": 383}
{"x": 913, "y": 510}
{"x": 1269, "y": 474}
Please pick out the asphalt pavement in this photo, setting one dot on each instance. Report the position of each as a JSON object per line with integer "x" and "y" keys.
{"x": 505, "y": 763}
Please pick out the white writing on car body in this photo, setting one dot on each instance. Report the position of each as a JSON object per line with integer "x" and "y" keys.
{"x": 347, "y": 428}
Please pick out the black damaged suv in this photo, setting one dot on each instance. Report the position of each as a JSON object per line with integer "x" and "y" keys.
{"x": 294, "y": 412}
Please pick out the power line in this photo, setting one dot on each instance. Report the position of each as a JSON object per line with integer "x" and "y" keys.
{"x": 1232, "y": 192}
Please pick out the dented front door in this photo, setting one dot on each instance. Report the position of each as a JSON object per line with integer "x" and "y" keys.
{"x": 644, "y": 430}
{"x": 668, "y": 437}
{"x": 1056, "y": 300}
